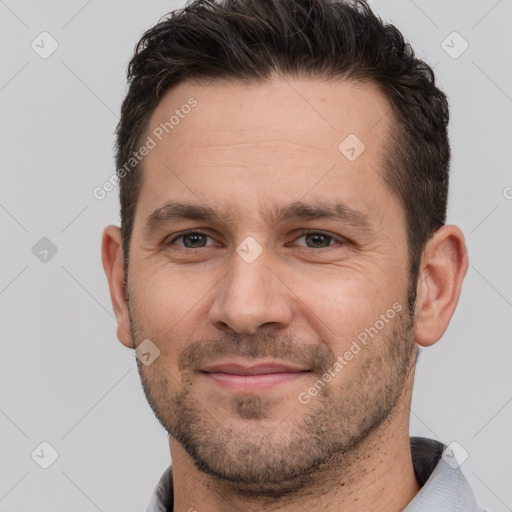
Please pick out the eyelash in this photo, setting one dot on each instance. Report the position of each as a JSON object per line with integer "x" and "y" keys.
{"x": 302, "y": 234}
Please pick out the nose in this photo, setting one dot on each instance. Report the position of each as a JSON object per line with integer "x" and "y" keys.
{"x": 251, "y": 296}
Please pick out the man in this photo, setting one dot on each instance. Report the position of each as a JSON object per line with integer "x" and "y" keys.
{"x": 283, "y": 253}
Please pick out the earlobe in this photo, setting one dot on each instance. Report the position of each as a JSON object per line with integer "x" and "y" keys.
{"x": 443, "y": 267}
{"x": 112, "y": 259}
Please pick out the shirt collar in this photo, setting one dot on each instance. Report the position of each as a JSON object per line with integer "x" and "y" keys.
{"x": 446, "y": 489}
{"x": 443, "y": 486}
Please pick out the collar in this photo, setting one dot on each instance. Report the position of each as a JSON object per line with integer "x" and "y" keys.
{"x": 443, "y": 485}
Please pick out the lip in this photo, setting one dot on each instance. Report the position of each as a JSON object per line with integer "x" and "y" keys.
{"x": 250, "y": 378}
{"x": 235, "y": 368}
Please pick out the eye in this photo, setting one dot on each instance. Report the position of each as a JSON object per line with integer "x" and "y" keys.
{"x": 318, "y": 240}
{"x": 311, "y": 239}
{"x": 191, "y": 240}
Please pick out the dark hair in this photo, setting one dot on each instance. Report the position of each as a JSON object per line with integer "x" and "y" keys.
{"x": 247, "y": 40}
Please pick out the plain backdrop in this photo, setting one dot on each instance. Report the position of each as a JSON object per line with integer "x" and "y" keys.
{"x": 64, "y": 377}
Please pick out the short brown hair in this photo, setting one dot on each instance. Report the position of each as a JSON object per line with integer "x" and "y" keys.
{"x": 247, "y": 40}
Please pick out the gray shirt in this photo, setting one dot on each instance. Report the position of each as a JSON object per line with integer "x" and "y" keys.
{"x": 443, "y": 486}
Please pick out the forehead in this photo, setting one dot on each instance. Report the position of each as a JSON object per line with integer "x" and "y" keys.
{"x": 242, "y": 144}
{"x": 314, "y": 112}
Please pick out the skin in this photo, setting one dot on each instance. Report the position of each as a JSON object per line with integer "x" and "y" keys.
{"x": 243, "y": 150}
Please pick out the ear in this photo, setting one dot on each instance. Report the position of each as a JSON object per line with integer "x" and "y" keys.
{"x": 443, "y": 266}
{"x": 112, "y": 258}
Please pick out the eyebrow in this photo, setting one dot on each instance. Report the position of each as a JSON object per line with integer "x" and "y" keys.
{"x": 174, "y": 211}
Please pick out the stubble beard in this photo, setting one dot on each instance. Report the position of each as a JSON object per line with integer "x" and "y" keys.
{"x": 266, "y": 455}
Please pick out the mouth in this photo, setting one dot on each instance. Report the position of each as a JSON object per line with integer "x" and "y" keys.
{"x": 251, "y": 378}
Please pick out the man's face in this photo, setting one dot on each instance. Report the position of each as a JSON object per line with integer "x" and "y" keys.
{"x": 267, "y": 279}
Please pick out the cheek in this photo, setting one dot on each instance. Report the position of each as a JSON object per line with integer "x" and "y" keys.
{"x": 341, "y": 305}
{"x": 169, "y": 301}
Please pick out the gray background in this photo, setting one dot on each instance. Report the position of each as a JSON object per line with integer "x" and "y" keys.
{"x": 66, "y": 380}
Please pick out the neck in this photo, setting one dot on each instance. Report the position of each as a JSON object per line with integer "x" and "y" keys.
{"x": 377, "y": 475}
